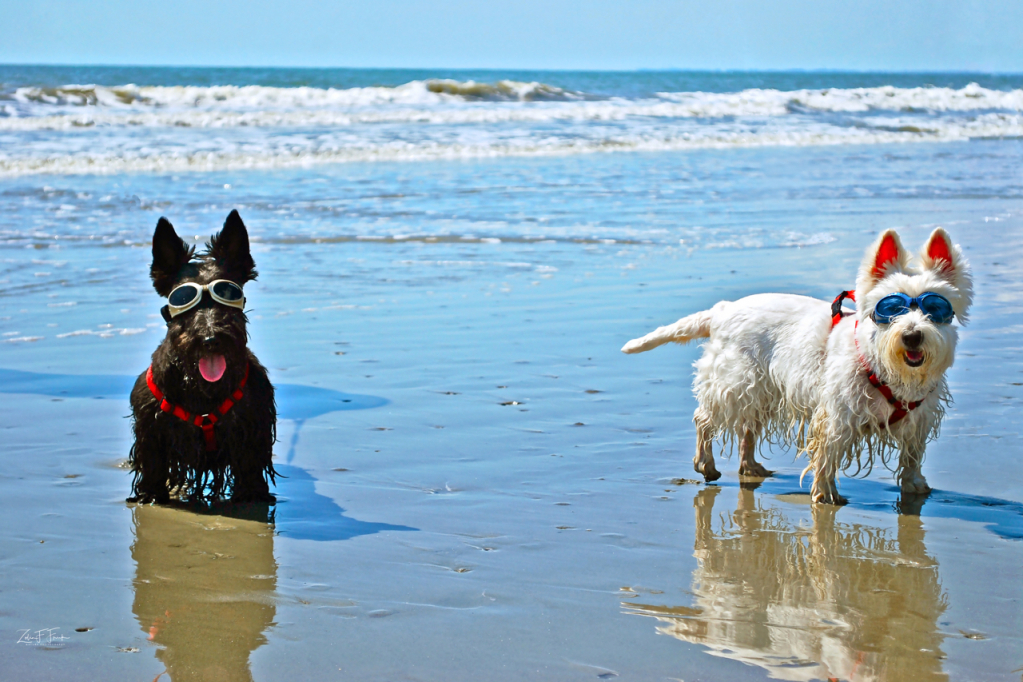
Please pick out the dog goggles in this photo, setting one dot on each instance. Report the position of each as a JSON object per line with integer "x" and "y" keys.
{"x": 935, "y": 306}
{"x": 186, "y": 296}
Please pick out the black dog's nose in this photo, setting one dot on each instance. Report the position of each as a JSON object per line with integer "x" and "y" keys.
{"x": 208, "y": 340}
{"x": 913, "y": 339}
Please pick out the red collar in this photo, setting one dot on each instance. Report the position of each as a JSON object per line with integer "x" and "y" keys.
{"x": 203, "y": 421}
{"x": 901, "y": 408}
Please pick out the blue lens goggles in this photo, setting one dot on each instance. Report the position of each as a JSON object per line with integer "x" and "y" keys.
{"x": 935, "y": 306}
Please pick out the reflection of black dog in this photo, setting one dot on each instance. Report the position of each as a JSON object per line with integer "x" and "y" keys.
{"x": 203, "y": 414}
{"x": 204, "y": 586}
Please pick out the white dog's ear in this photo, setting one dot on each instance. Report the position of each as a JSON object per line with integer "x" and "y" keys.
{"x": 946, "y": 259}
{"x": 941, "y": 255}
{"x": 884, "y": 257}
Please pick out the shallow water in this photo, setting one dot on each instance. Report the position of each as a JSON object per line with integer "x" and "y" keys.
{"x": 505, "y": 495}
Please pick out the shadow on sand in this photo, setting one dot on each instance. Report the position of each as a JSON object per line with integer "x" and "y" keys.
{"x": 304, "y": 514}
{"x": 1004, "y": 518}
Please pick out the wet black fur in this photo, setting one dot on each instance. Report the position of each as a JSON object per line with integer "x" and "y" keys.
{"x": 169, "y": 457}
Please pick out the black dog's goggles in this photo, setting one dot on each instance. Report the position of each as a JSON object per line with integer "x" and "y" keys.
{"x": 935, "y": 306}
{"x": 186, "y": 296}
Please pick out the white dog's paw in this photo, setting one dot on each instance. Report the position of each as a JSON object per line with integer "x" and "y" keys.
{"x": 914, "y": 484}
{"x": 755, "y": 469}
{"x": 826, "y": 493}
{"x": 707, "y": 468}
{"x": 829, "y": 497}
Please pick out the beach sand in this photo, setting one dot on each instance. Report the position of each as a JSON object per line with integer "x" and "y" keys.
{"x": 476, "y": 483}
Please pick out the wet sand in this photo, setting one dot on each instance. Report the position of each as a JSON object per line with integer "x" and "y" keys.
{"x": 504, "y": 495}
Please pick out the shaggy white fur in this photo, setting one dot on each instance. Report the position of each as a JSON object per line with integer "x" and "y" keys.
{"x": 774, "y": 369}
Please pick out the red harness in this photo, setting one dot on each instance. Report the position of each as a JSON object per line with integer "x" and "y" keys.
{"x": 203, "y": 421}
{"x": 836, "y": 307}
{"x": 901, "y": 408}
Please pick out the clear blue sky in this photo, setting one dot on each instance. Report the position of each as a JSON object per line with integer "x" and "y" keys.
{"x": 984, "y": 35}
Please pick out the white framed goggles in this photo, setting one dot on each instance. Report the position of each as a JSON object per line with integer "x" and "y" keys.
{"x": 186, "y": 296}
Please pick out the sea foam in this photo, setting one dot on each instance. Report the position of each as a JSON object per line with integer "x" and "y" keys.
{"x": 257, "y": 96}
{"x": 103, "y": 129}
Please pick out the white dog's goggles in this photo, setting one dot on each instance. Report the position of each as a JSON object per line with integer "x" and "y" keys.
{"x": 186, "y": 296}
{"x": 935, "y": 306}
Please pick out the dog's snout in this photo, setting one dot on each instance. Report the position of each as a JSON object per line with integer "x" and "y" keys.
{"x": 913, "y": 339}
{"x": 208, "y": 340}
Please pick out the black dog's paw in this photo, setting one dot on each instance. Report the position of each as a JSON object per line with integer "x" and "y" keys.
{"x": 148, "y": 498}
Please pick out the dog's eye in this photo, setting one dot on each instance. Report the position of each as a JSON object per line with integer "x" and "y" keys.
{"x": 227, "y": 291}
{"x": 938, "y": 308}
{"x": 889, "y": 307}
{"x": 182, "y": 296}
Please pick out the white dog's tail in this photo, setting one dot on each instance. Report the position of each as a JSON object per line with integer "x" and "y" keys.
{"x": 695, "y": 326}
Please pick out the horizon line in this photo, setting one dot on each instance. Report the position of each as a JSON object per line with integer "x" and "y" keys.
{"x": 533, "y": 69}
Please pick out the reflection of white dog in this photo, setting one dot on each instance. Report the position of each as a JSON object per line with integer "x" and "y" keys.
{"x": 779, "y": 367}
{"x": 809, "y": 602}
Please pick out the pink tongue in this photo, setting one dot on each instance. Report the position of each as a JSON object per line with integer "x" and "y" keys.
{"x": 914, "y": 355}
{"x": 213, "y": 367}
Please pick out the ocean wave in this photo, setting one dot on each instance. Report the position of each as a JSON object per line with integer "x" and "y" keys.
{"x": 503, "y": 90}
{"x": 462, "y": 103}
{"x": 850, "y": 100}
{"x": 232, "y": 97}
{"x": 325, "y": 118}
{"x": 289, "y": 152}
{"x": 754, "y": 102}
{"x": 130, "y": 128}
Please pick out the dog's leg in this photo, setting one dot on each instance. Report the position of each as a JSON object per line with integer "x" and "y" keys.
{"x": 825, "y": 487}
{"x": 824, "y": 447}
{"x": 149, "y": 462}
{"x": 251, "y": 465}
{"x": 825, "y": 490}
{"x": 250, "y": 485}
{"x": 911, "y": 480}
{"x": 748, "y": 464}
{"x": 703, "y": 462}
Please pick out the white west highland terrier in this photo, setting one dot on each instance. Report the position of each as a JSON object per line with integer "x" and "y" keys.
{"x": 796, "y": 370}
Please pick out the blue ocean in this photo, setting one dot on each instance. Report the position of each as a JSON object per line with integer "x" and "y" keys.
{"x": 476, "y": 483}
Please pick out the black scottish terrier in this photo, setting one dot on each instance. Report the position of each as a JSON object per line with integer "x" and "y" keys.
{"x": 203, "y": 414}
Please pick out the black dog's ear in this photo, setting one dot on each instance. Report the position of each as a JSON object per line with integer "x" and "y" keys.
{"x": 170, "y": 254}
{"x": 230, "y": 249}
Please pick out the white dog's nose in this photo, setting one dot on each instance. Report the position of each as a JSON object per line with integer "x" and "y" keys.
{"x": 913, "y": 339}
